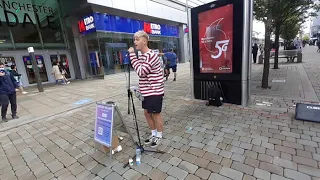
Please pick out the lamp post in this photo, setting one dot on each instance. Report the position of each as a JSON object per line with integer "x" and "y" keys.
{"x": 190, "y": 50}
{"x": 35, "y": 68}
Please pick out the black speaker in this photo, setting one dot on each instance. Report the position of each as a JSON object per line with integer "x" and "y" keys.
{"x": 308, "y": 112}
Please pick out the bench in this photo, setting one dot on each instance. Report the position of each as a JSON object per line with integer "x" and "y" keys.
{"x": 290, "y": 55}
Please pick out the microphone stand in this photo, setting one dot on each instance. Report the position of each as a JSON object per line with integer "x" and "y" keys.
{"x": 128, "y": 88}
{"x": 139, "y": 144}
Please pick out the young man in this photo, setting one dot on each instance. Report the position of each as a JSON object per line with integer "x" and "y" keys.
{"x": 8, "y": 88}
{"x": 151, "y": 85}
{"x": 171, "y": 59}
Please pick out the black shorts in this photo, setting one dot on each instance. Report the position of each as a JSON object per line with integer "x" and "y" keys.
{"x": 174, "y": 68}
{"x": 153, "y": 104}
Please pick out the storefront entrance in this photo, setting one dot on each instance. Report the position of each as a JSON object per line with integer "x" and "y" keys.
{"x": 44, "y": 59}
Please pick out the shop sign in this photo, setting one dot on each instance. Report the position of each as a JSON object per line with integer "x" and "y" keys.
{"x": 87, "y": 24}
{"x": 152, "y": 28}
{"x": 13, "y": 17}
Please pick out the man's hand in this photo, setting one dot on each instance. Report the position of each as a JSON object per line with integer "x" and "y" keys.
{"x": 2, "y": 74}
{"x": 131, "y": 50}
{"x": 17, "y": 90}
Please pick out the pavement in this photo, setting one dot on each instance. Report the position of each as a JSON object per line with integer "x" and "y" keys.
{"x": 200, "y": 142}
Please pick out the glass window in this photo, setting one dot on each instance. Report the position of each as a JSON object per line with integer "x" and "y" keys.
{"x": 29, "y": 20}
{"x": 51, "y": 30}
{"x": 5, "y": 38}
{"x": 113, "y": 49}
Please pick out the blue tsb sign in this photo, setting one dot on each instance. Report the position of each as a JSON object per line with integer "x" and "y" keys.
{"x": 111, "y": 23}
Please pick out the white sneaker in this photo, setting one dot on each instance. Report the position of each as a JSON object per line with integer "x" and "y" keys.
{"x": 68, "y": 82}
{"x": 24, "y": 92}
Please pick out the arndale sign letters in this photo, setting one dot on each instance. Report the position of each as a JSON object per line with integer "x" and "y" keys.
{"x": 30, "y": 13}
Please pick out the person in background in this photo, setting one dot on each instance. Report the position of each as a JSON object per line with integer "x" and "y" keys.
{"x": 151, "y": 85}
{"x": 171, "y": 63}
{"x": 297, "y": 43}
{"x": 255, "y": 49}
{"x": 57, "y": 74}
{"x": 8, "y": 88}
{"x": 17, "y": 76}
{"x": 63, "y": 71}
{"x": 318, "y": 44}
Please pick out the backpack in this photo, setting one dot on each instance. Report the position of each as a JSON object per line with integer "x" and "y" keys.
{"x": 215, "y": 96}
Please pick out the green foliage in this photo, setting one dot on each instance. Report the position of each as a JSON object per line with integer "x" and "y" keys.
{"x": 306, "y": 38}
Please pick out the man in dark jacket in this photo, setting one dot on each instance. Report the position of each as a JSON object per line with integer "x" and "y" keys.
{"x": 8, "y": 88}
{"x": 255, "y": 49}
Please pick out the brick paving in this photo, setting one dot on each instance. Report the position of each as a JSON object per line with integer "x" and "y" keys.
{"x": 229, "y": 142}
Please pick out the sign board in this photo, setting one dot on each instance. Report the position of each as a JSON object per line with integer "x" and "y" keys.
{"x": 103, "y": 22}
{"x": 104, "y": 124}
{"x": 217, "y": 38}
{"x": 152, "y": 28}
{"x": 87, "y": 25}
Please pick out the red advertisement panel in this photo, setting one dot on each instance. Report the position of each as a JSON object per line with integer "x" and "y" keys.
{"x": 215, "y": 40}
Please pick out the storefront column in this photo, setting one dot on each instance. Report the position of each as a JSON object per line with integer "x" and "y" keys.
{"x": 80, "y": 50}
{"x": 183, "y": 48}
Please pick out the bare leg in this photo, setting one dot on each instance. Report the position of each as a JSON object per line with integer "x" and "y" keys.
{"x": 159, "y": 121}
{"x": 150, "y": 120}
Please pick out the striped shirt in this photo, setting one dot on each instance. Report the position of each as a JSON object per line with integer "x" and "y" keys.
{"x": 148, "y": 68}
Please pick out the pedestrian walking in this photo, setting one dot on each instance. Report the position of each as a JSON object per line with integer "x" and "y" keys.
{"x": 63, "y": 71}
{"x": 151, "y": 86}
{"x": 318, "y": 44}
{"x": 57, "y": 74}
{"x": 171, "y": 63}
{"x": 17, "y": 76}
{"x": 8, "y": 88}
{"x": 255, "y": 49}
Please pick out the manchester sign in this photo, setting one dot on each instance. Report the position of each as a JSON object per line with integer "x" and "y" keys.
{"x": 13, "y": 10}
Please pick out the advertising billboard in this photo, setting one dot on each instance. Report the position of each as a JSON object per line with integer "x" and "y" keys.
{"x": 216, "y": 40}
{"x": 217, "y": 52}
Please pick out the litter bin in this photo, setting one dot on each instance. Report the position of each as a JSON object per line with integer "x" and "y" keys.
{"x": 260, "y": 59}
{"x": 299, "y": 57}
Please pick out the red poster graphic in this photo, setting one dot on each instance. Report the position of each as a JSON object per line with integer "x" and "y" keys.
{"x": 215, "y": 40}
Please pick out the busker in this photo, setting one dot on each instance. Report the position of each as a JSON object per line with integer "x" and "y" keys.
{"x": 151, "y": 85}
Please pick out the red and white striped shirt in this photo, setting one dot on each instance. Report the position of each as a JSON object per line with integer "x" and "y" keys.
{"x": 148, "y": 68}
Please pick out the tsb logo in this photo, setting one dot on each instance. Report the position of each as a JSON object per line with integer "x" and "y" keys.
{"x": 152, "y": 28}
{"x": 86, "y": 24}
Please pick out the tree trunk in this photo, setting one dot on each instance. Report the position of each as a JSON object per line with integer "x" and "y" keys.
{"x": 267, "y": 45}
{"x": 276, "y": 54}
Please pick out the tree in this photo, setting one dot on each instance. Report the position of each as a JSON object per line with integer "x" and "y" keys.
{"x": 284, "y": 11}
{"x": 263, "y": 11}
{"x": 289, "y": 29}
{"x": 274, "y": 13}
{"x": 306, "y": 38}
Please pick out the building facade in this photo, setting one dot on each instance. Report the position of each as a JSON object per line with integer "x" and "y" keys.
{"x": 90, "y": 37}
{"x": 315, "y": 25}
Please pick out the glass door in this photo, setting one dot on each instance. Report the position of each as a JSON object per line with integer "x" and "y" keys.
{"x": 62, "y": 60}
{"x": 30, "y": 71}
